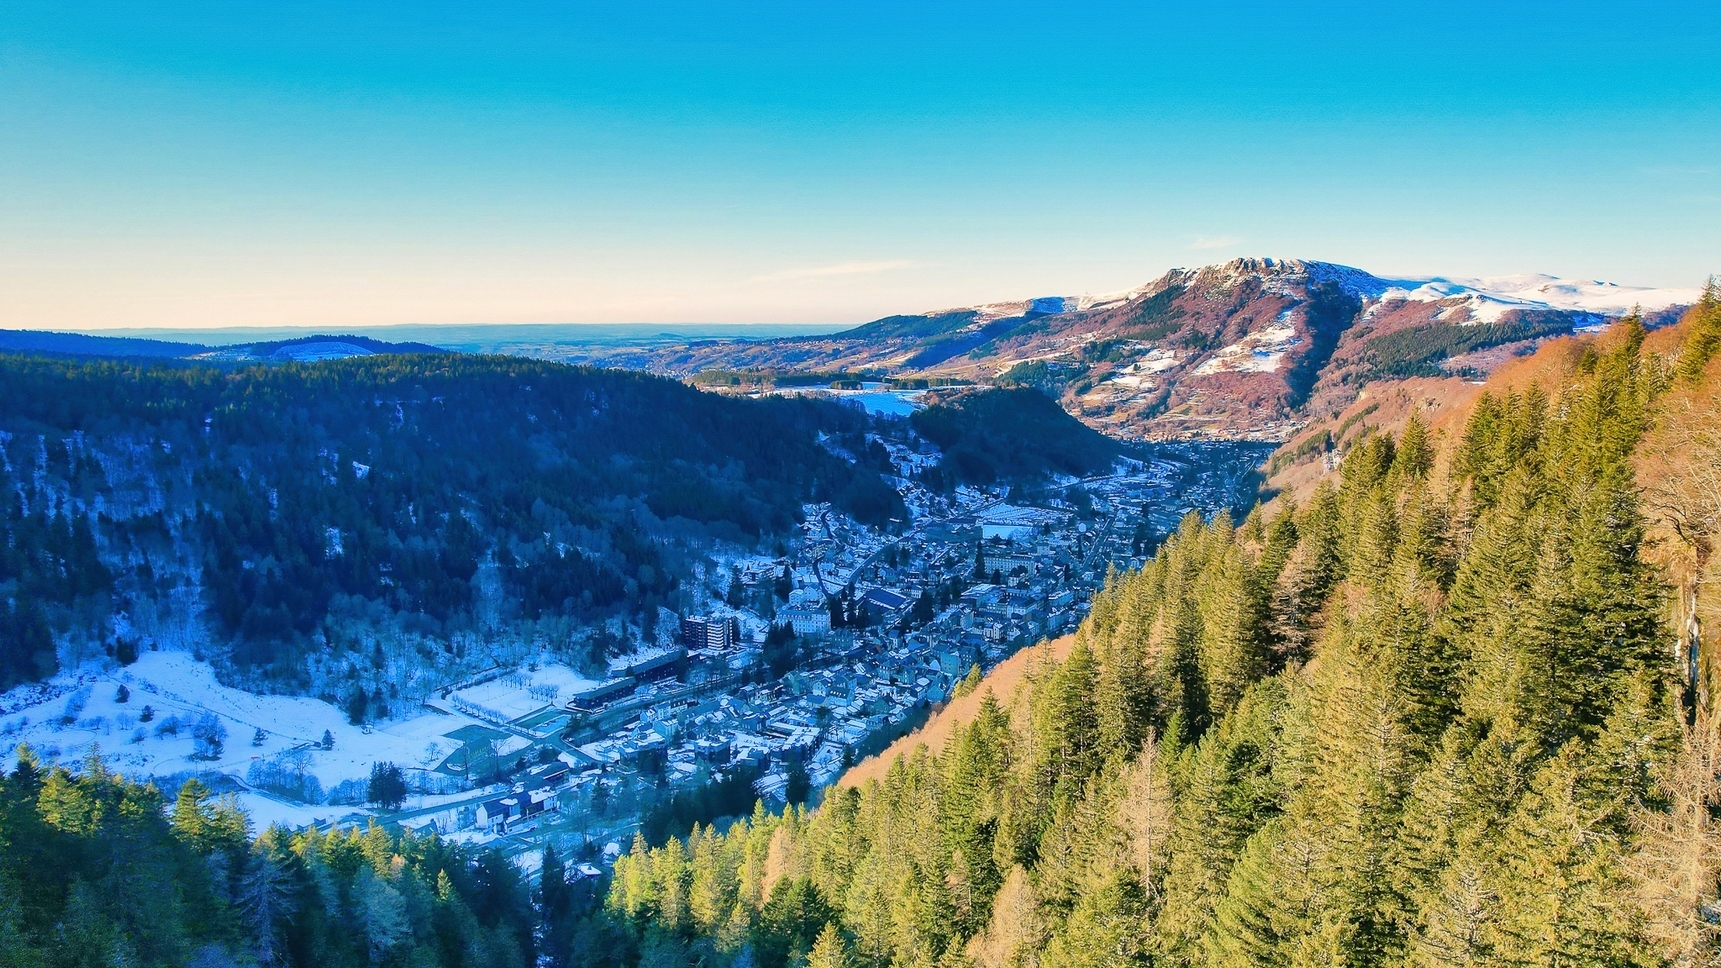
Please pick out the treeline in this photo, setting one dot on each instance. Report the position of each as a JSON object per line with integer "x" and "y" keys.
{"x": 1008, "y": 434}
{"x": 96, "y": 870}
{"x": 52, "y": 567}
{"x": 389, "y": 480}
{"x": 363, "y": 342}
{"x": 1419, "y": 350}
{"x": 1431, "y": 716}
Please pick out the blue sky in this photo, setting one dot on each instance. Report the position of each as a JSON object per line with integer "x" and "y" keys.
{"x": 182, "y": 164}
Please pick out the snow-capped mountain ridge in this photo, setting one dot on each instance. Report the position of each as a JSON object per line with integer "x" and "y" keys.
{"x": 1253, "y": 347}
{"x": 1491, "y": 297}
{"x": 1488, "y": 297}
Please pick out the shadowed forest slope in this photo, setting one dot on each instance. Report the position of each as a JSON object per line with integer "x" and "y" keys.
{"x": 264, "y": 511}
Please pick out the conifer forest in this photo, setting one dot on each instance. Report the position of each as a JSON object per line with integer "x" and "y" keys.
{"x": 703, "y": 484}
{"x": 1453, "y": 706}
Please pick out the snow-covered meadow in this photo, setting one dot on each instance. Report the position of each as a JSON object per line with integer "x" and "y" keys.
{"x": 80, "y": 712}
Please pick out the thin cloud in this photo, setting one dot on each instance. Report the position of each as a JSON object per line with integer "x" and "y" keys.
{"x": 839, "y": 269}
{"x": 1214, "y": 242}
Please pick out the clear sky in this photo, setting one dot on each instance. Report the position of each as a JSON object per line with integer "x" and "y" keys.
{"x": 288, "y": 163}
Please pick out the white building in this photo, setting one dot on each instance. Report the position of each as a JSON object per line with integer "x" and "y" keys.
{"x": 806, "y": 620}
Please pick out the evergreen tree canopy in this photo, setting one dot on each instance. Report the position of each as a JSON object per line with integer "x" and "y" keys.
{"x": 1424, "y": 717}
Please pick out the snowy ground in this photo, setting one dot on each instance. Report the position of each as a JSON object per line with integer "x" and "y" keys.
{"x": 1259, "y": 352}
{"x": 873, "y": 396}
{"x": 1489, "y": 299}
{"x": 899, "y": 403}
{"x": 181, "y": 689}
{"x": 522, "y": 693}
{"x": 267, "y": 810}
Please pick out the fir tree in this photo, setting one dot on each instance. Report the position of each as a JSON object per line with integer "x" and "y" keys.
{"x": 829, "y": 951}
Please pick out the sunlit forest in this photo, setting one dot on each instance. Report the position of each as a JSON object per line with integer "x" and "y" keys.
{"x": 1452, "y": 708}
{"x": 1454, "y": 705}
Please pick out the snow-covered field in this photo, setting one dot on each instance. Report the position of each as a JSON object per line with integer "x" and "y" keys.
{"x": 1490, "y": 298}
{"x": 1137, "y": 375}
{"x": 266, "y": 810}
{"x": 523, "y": 693}
{"x": 899, "y": 403}
{"x": 179, "y": 691}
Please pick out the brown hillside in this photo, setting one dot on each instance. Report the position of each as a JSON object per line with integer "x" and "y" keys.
{"x": 1005, "y": 682}
{"x": 1444, "y": 404}
{"x": 1678, "y": 468}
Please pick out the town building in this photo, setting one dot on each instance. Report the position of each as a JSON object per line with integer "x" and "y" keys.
{"x": 806, "y": 619}
{"x": 718, "y": 634}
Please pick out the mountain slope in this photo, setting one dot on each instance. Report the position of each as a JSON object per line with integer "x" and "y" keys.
{"x": 1249, "y": 348}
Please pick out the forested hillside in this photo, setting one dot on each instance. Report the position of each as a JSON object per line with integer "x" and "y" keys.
{"x": 1450, "y": 710}
{"x": 96, "y": 870}
{"x": 432, "y": 493}
{"x": 1453, "y": 708}
{"x": 1009, "y": 434}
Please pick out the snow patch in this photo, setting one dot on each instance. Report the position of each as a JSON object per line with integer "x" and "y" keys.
{"x": 179, "y": 688}
{"x": 519, "y": 694}
{"x": 1139, "y": 374}
{"x": 1259, "y": 352}
{"x": 1489, "y": 299}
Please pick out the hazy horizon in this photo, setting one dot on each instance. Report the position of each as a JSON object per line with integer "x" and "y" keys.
{"x": 455, "y": 333}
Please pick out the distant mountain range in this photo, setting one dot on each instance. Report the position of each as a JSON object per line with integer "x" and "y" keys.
{"x": 1247, "y": 348}
{"x": 1251, "y": 348}
{"x": 302, "y": 349}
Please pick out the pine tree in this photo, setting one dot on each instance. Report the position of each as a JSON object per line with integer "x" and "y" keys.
{"x": 387, "y": 786}
{"x": 829, "y": 951}
{"x": 382, "y": 914}
{"x": 1415, "y": 452}
{"x": 266, "y": 898}
{"x": 1559, "y": 883}
{"x": 1123, "y": 698}
{"x": 970, "y": 682}
{"x": 1106, "y": 927}
{"x": 1231, "y": 649}
{"x": 555, "y": 908}
{"x": 191, "y": 814}
{"x": 1224, "y": 794}
{"x": 1703, "y": 338}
